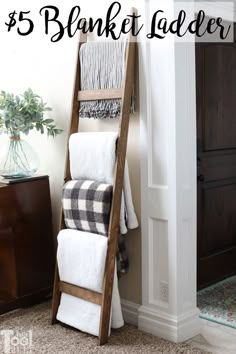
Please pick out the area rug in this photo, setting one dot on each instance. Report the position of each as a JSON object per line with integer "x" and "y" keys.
{"x": 217, "y": 303}
{"x": 31, "y": 332}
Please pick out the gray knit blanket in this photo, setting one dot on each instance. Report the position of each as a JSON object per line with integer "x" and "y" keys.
{"x": 86, "y": 207}
{"x": 101, "y": 67}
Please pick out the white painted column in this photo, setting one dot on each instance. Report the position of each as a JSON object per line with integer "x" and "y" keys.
{"x": 168, "y": 140}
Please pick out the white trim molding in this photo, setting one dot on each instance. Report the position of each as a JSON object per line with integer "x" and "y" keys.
{"x": 174, "y": 328}
{"x": 226, "y": 8}
{"x": 130, "y": 312}
{"x": 168, "y": 183}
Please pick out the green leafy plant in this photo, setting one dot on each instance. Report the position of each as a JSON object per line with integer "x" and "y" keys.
{"x": 20, "y": 114}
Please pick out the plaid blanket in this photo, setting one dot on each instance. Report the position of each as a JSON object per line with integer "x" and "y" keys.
{"x": 86, "y": 207}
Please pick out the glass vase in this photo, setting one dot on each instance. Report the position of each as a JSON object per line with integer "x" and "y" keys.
{"x": 18, "y": 159}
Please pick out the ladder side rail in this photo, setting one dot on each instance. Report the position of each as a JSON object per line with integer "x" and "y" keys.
{"x": 117, "y": 192}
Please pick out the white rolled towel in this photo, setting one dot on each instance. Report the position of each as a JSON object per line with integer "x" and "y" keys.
{"x": 81, "y": 261}
{"x": 92, "y": 156}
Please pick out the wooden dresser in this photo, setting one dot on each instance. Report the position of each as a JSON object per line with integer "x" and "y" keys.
{"x": 26, "y": 243}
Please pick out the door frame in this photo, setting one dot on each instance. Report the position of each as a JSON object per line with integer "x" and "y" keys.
{"x": 168, "y": 187}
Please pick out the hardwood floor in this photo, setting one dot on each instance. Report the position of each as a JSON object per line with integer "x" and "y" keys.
{"x": 215, "y": 338}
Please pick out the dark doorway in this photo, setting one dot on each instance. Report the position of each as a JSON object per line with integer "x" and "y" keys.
{"x": 216, "y": 161}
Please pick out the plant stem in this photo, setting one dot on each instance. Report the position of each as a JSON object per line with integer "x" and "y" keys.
{"x": 16, "y": 158}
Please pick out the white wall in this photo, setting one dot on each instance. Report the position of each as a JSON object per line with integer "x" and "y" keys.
{"x": 48, "y": 69}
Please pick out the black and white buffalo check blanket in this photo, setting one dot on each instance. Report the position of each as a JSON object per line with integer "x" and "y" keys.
{"x": 86, "y": 207}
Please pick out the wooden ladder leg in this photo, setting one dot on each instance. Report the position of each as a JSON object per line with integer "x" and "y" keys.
{"x": 107, "y": 289}
{"x": 117, "y": 192}
{"x": 56, "y": 296}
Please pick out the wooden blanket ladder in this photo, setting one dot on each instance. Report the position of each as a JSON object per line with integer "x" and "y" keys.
{"x": 125, "y": 94}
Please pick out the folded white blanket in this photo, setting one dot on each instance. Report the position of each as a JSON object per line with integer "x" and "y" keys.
{"x": 92, "y": 156}
{"x": 81, "y": 261}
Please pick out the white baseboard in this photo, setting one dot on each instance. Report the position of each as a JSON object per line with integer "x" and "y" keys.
{"x": 176, "y": 329}
{"x": 173, "y": 328}
{"x": 130, "y": 312}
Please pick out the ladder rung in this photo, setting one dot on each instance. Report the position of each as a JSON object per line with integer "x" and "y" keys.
{"x": 82, "y": 293}
{"x": 106, "y": 94}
